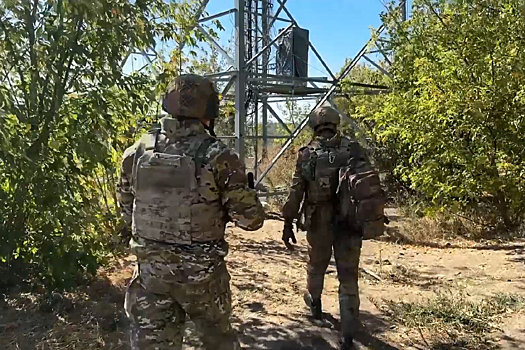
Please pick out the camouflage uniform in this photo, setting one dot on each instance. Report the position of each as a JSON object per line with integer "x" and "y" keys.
{"x": 315, "y": 181}
{"x": 178, "y": 233}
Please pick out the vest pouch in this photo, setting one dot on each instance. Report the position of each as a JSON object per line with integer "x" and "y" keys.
{"x": 370, "y": 215}
{"x": 323, "y": 187}
{"x": 373, "y": 229}
{"x": 162, "y": 170}
{"x": 370, "y": 209}
{"x": 308, "y": 215}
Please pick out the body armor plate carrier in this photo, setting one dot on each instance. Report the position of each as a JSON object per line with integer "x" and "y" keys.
{"x": 171, "y": 204}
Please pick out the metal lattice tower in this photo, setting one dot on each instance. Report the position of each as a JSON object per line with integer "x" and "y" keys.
{"x": 254, "y": 83}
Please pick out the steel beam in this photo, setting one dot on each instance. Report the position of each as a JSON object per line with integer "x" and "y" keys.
{"x": 281, "y": 5}
{"x": 146, "y": 56}
{"x": 384, "y": 71}
{"x": 216, "y": 45}
{"x": 351, "y": 121}
{"x": 382, "y": 51}
{"x": 309, "y": 42}
{"x": 264, "y": 73}
{"x": 255, "y": 77}
{"x": 240, "y": 81}
{"x": 263, "y": 50}
{"x": 276, "y": 116}
{"x": 369, "y": 86}
{"x": 218, "y": 15}
{"x": 271, "y": 17}
{"x": 303, "y": 124}
{"x": 229, "y": 85}
{"x": 321, "y": 59}
{"x": 198, "y": 15}
{"x": 221, "y": 74}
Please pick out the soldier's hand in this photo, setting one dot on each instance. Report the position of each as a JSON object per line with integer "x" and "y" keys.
{"x": 287, "y": 235}
{"x": 251, "y": 181}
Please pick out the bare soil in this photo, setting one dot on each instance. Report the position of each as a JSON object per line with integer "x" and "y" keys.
{"x": 267, "y": 286}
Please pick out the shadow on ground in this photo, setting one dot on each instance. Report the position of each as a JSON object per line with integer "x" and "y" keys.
{"x": 90, "y": 318}
{"x": 297, "y": 331}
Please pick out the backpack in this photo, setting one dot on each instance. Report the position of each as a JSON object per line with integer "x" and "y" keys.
{"x": 361, "y": 200}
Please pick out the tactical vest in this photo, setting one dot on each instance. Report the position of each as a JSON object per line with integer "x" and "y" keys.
{"x": 176, "y": 200}
{"x": 321, "y": 170}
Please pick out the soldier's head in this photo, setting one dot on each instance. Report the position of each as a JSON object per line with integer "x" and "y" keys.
{"x": 324, "y": 121}
{"x": 192, "y": 96}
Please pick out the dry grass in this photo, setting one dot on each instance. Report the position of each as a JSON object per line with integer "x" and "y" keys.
{"x": 453, "y": 320}
{"x": 408, "y": 276}
{"x": 439, "y": 229}
{"x": 90, "y": 317}
{"x": 280, "y": 177}
{"x": 282, "y": 172}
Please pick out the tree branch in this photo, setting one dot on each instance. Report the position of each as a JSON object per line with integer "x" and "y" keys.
{"x": 35, "y": 148}
{"x": 30, "y": 19}
{"x": 17, "y": 58}
{"x": 446, "y": 27}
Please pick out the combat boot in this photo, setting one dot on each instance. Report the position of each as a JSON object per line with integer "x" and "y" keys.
{"x": 348, "y": 309}
{"x": 347, "y": 343}
{"x": 314, "y": 305}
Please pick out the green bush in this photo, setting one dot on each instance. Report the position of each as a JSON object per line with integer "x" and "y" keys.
{"x": 67, "y": 111}
{"x": 454, "y": 126}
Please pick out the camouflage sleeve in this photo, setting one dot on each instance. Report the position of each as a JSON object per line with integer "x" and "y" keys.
{"x": 241, "y": 202}
{"x": 293, "y": 203}
{"x": 124, "y": 193}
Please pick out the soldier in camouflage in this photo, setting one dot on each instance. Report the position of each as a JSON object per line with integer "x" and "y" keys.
{"x": 178, "y": 188}
{"x": 315, "y": 181}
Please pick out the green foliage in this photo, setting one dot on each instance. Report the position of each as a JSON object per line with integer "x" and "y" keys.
{"x": 455, "y": 122}
{"x": 67, "y": 111}
{"x": 362, "y": 109}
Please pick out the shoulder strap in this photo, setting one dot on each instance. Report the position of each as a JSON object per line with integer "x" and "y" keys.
{"x": 200, "y": 154}
{"x": 147, "y": 142}
{"x": 345, "y": 142}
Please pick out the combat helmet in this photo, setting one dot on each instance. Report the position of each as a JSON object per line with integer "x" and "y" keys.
{"x": 324, "y": 115}
{"x": 191, "y": 96}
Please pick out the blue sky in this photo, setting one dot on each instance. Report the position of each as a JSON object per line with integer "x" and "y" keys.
{"x": 338, "y": 28}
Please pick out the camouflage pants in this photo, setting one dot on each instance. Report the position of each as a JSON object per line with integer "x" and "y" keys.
{"x": 347, "y": 250}
{"x": 158, "y": 306}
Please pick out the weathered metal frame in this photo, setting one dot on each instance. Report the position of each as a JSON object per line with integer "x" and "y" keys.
{"x": 242, "y": 79}
{"x": 349, "y": 67}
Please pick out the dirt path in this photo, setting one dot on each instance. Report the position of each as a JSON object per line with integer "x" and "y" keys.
{"x": 268, "y": 282}
{"x": 267, "y": 285}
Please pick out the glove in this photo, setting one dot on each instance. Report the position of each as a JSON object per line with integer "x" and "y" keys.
{"x": 287, "y": 234}
{"x": 251, "y": 181}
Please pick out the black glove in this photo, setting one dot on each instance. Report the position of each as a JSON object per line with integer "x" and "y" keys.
{"x": 287, "y": 234}
{"x": 251, "y": 181}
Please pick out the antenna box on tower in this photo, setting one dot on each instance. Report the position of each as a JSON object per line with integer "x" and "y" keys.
{"x": 292, "y": 56}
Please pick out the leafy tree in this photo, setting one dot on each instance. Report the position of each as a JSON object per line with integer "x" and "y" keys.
{"x": 456, "y": 117}
{"x": 67, "y": 110}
